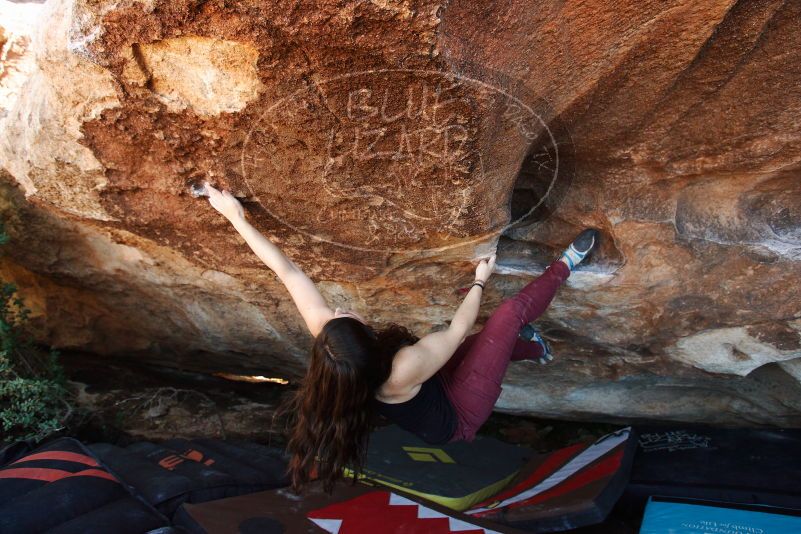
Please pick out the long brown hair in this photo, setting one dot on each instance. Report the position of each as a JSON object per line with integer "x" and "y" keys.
{"x": 330, "y": 416}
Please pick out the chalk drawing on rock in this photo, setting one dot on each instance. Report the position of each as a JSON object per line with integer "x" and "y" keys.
{"x": 388, "y": 160}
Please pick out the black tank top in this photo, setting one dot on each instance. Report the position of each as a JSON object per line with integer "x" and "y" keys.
{"x": 429, "y": 414}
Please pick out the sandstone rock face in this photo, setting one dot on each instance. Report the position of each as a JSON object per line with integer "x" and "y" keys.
{"x": 208, "y": 75}
{"x": 387, "y": 145}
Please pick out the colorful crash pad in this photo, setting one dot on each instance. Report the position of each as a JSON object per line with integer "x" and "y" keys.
{"x": 688, "y": 516}
{"x": 749, "y": 465}
{"x": 176, "y": 471}
{"x": 62, "y": 487}
{"x": 352, "y": 509}
{"x": 111, "y": 489}
{"x": 568, "y": 488}
{"x": 456, "y": 475}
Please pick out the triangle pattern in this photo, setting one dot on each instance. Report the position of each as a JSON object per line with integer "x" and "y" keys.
{"x": 397, "y": 500}
{"x": 427, "y": 513}
{"x": 379, "y": 510}
{"x": 329, "y": 525}
{"x": 457, "y": 525}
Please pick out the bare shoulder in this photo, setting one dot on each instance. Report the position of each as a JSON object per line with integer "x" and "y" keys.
{"x": 401, "y": 384}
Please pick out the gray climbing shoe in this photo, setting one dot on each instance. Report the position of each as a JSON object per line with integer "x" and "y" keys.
{"x": 529, "y": 333}
{"x": 580, "y": 247}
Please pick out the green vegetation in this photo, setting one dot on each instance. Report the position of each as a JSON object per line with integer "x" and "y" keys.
{"x": 34, "y": 400}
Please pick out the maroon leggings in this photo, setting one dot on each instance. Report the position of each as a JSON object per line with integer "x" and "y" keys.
{"x": 473, "y": 375}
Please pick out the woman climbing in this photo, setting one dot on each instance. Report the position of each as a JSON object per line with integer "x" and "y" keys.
{"x": 441, "y": 387}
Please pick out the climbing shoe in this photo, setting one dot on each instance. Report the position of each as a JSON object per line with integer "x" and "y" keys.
{"x": 580, "y": 247}
{"x": 529, "y": 333}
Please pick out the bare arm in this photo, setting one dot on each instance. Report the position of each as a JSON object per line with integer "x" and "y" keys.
{"x": 311, "y": 305}
{"x": 417, "y": 363}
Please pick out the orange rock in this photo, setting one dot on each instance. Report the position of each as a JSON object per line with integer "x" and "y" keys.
{"x": 385, "y": 147}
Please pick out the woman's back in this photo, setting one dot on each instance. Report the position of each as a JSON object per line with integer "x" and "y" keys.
{"x": 429, "y": 414}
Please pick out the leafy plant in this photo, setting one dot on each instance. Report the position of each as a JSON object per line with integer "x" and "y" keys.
{"x": 33, "y": 393}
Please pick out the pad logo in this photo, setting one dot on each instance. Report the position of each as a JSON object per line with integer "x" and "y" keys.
{"x": 424, "y": 454}
{"x": 171, "y": 461}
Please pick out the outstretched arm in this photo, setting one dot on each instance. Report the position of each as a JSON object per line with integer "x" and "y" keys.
{"x": 311, "y": 305}
{"x": 417, "y": 363}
